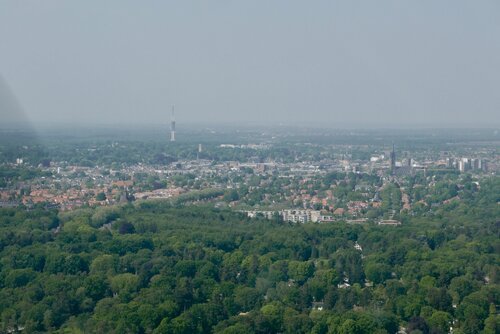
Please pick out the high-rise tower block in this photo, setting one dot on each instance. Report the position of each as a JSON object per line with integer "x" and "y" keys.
{"x": 393, "y": 159}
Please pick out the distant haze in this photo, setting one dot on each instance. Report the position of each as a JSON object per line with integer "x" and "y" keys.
{"x": 372, "y": 63}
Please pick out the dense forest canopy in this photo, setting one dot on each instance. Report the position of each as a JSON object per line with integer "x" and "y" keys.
{"x": 166, "y": 267}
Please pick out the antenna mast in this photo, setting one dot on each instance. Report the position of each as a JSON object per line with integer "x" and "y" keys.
{"x": 172, "y": 125}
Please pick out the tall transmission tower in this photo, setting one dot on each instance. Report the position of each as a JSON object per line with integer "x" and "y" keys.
{"x": 172, "y": 125}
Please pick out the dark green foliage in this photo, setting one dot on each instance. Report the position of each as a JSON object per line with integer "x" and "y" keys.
{"x": 100, "y": 196}
{"x": 126, "y": 228}
{"x": 195, "y": 269}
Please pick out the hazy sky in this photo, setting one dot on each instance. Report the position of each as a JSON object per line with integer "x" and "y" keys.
{"x": 325, "y": 62}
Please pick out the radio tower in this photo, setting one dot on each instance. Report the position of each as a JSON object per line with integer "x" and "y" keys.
{"x": 172, "y": 126}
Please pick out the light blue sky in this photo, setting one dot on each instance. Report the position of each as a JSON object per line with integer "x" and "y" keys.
{"x": 372, "y": 63}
